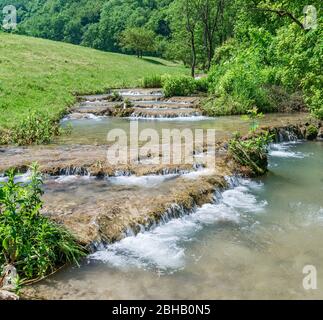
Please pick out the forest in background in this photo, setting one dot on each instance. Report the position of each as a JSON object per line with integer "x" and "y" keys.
{"x": 257, "y": 52}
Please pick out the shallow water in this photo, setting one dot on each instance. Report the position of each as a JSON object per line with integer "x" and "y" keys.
{"x": 95, "y": 130}
{"x": 252, "y": 243}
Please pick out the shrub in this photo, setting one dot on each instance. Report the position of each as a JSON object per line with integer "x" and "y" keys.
{"x": 36, "y": 128}
{"x": 179, "y": 86}
{"x": 115, "y": 97}
{"x": 248, "y": 71}
{"x": 202, "y": 84}
{"x": 29, "y": 241}
{"x": 251, "y": 152}
{"x": 154, "y": 81}
{"x": 238, "y": 85}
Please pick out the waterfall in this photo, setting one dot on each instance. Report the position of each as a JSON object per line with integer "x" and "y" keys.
{"x": 169, "y": 115}
{"x": 74, "y": 171}
{"x": 288, "y": 134}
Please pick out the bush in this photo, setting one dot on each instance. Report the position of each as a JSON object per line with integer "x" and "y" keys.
{"x": 29, "y": 241}
{"x": 300, "y": 57}
{"x": 179, "y": 86}
{"x": 248, "y": 71}
{"x": 154, "y": 81}
{"x": 251, "y": 152}
{"x": 238, "y": 85}
{"x": 115, "y": 97}
{"x": 202, "y": 84}
{"x": 36, "y": 128}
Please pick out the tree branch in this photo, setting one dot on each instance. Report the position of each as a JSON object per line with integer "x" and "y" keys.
{"x": 282, "y": 13}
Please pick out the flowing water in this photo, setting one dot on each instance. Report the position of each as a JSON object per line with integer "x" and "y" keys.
{"x": 253, "y": 242}
{"x": 94, "y": 130}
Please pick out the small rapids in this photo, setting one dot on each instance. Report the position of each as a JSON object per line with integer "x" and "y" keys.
{"x": 142, "y": 181}
{"x": 163, "y": 248}
{"x": 189, "y": 117}
{"x": 285, "y": 150}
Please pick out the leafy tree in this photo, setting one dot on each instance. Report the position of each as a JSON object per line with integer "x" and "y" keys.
{"x": 139, "y": 40}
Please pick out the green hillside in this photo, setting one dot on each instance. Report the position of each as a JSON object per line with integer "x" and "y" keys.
{"x": 42, "y": 75}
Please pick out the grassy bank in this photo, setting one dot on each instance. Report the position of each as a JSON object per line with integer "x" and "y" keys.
{"x": 44, "y": 76}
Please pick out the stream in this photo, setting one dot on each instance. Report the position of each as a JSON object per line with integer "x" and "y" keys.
{"x": 252, "y": 242}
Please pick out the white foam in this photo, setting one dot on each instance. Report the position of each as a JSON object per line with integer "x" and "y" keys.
{"x": 71, "y": 178}
{"x": 142, "y": 181}
{"x": 189, "y": 118}
{"x": 196, "y": 174}
{"x": 20, "y": 178}
{"x": 239, "y": 198}
{"x": 163, "y": 247}
{"x": 283, "y": 150}
{"x": 83, "y": 116}
{"x": 133, "y": 93}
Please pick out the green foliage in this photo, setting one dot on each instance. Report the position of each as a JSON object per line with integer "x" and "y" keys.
{"x": 115, "y": 97}
{"x": 139, "y": 40}
{"x": 237, "y": 82}
{"x": 202, "y": 84}
{"x": 251, "y": 152}
{"x": 29, "y": 241}
{"x": 299, "y": 55}
{"x": 311, "y": 132}
{"x": 154, "y": 81}
{"x": 179, "y": 86}
{"x": 36, "y": 128}
{"x": 94, "y": 23}
{"x": 248, "y": 69}
{"x": 253, "y": 116}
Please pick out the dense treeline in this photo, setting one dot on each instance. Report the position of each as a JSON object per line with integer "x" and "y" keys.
{"x": 266, "y": 53}
{"x": 274, "y": 61}
{"x": 93, "y": 23}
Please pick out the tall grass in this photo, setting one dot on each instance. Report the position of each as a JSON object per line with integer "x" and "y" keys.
{"x": 43, "y": 77}
{"x": 153, "y": 81}
{"x": 29, "y": 241}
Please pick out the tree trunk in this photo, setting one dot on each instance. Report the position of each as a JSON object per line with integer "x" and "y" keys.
{"x": 210, "y": 54}
{"x": 193, "y": 63}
